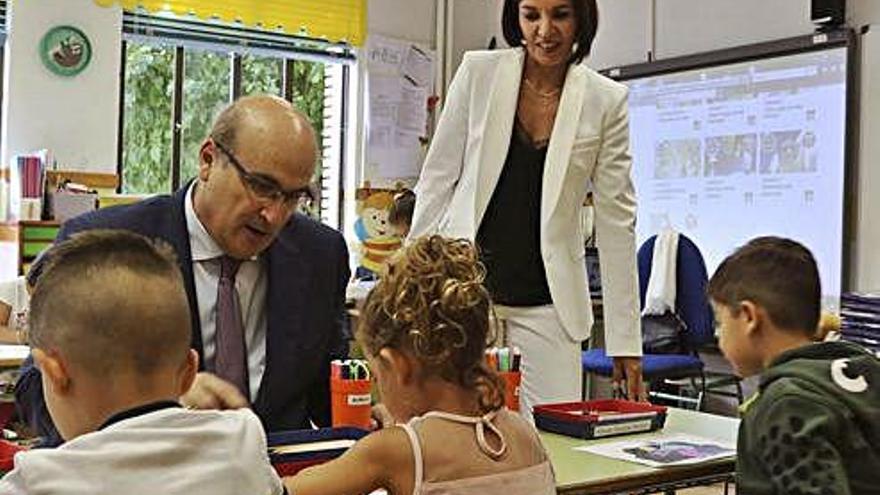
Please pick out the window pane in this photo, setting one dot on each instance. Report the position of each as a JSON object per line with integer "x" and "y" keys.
{"x": 308, "y": 96}
{"x": 205, "y": 93}
{"x": 146, "y": 131}
{"x": 260, "y": 75}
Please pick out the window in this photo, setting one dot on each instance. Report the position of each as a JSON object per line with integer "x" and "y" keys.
{"x": 260, "y": 74}
{"x": 205, "y": 92}
{"x": 146, "y": 117}
{"x": 178, "y": 74}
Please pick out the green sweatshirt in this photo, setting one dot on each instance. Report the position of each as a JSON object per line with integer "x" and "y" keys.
{"x": 814, "y": 427}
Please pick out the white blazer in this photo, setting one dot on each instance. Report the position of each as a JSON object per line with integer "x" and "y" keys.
{"x": 589, "y": 144}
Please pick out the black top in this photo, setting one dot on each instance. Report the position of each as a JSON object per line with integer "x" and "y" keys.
{"x": 510, "y": 233}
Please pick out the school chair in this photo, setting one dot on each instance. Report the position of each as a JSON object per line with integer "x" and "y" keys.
{"x": 692, "y": 306}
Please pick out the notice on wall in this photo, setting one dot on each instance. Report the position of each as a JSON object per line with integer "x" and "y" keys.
{"x": 400, "y": 81}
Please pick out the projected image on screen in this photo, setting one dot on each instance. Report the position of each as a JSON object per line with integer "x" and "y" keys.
{"x": 727, "y": 153}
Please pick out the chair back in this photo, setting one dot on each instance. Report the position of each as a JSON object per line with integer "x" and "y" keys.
{"x": 691, "y": 279}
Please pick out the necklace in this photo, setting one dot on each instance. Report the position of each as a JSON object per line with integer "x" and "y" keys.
{"x": 542, "y": 94}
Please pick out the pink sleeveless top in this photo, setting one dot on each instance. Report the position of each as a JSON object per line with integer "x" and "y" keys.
{"x": 537, "y": 479}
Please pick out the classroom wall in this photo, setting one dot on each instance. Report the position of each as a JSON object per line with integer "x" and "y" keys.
{"x": 76, "y": 118}
{"x": 474, "y": 23}
{"x": 415, "y": 22}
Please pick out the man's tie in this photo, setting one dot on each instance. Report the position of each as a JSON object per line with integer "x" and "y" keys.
{"x": 230, "y": 361}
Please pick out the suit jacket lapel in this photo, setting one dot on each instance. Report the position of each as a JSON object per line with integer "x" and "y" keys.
{"x": 497, "y": 128}
{"x": 178, "y": 236}
{"x": 562, "y": 139}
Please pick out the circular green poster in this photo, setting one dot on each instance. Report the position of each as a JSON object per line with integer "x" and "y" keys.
{"x": 65, "y": 50}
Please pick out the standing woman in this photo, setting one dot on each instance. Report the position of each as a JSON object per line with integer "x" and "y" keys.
{"x": 524, "y": 133}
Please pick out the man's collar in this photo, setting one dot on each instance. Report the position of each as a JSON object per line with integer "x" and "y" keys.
{"x": 202, "y": 245}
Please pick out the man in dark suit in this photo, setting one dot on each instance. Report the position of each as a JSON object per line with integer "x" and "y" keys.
{"x": 266, "y": 285}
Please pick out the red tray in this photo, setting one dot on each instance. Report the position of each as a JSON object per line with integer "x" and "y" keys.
{"x": 599, "y": 418}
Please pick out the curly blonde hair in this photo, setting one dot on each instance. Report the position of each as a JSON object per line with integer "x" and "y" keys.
{"x": 431, "y": 303}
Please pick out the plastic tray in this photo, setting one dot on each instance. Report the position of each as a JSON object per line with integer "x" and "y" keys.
{"x": 599, "y": 418}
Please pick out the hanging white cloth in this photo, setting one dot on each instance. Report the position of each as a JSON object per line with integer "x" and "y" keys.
{"x": 660, "y": 295}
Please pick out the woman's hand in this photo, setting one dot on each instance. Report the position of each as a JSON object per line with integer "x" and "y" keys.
{"x": 626, "y": 378}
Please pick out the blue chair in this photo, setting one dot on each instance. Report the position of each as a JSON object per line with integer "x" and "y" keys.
{"x": 692, "y": 305}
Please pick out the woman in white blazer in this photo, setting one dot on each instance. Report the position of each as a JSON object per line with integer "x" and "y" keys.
{"x": 523, "y": 135}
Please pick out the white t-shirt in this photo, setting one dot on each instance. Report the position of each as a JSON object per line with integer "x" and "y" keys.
{"x": 14, "y": 293}
{"x": 171, "y": 451}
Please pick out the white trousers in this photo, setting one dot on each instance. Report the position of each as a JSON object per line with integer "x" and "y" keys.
{"x": 551, "y": 360}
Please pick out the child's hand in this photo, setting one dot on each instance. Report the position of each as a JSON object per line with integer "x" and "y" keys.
{"x": 381, "y": 417}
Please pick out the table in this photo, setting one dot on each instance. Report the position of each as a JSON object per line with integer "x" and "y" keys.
{"x": 579, "y": 472}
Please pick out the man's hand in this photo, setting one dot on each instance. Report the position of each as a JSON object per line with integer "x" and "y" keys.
{"x": 209, "y": 391}
{"x": 627, "y": 378}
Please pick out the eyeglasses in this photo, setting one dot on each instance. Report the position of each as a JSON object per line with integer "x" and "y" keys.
{"x": 266, "y": 189}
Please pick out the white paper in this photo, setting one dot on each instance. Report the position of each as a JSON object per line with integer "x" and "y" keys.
{"x": 385, "y": 55}
{"x": 319, "y": 446}
{"x": 385, "y": 95}
{"x": 381, "y": 136}
{"x": 664, "y": 450}
{"x": 418, "y": 66}
{"x": 412, "y": 113}
{"x": 398, "y": 160}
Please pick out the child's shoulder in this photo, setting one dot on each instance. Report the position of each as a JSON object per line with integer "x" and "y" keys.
{"x": 388, "y": 446}
{"x": 829, "y": 372}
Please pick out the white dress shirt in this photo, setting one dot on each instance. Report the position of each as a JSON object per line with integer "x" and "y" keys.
{"x": 251, "y": 283}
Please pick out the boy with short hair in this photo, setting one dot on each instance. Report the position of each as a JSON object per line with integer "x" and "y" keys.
{"x": 814, "y": 427}
{"x": 110, "y": 331}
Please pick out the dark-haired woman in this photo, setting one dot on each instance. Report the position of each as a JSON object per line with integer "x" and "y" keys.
{"x": 524, "y": 134}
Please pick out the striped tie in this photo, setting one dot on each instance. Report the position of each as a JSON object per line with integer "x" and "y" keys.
{"x": 230, "y": 362}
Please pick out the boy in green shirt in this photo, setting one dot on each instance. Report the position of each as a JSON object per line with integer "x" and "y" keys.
{"x": 814, "y": 426}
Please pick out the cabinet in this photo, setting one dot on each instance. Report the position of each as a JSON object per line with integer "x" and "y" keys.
{"x": 33, "y": 238}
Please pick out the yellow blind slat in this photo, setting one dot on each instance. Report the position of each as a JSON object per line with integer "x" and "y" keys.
{"x": 333, "y": 20}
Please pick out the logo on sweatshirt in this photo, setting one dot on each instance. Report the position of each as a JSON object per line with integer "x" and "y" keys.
{"x": 838, "y": 374}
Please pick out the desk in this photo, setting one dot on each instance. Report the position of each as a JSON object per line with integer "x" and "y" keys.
{"x": 581, "y": 473}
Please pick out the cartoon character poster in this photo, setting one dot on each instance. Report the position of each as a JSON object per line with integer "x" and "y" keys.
{"x": 377, "y": 237}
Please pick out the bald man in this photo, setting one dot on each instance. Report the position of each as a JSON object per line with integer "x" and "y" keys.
{"x": 267, "y": 342}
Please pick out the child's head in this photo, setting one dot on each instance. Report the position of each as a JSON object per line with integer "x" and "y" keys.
{"x": 768, "y": 289}
{"x": 427, "y": 321}
{"x": 110, "y": 328}
{"x": 401, "y": 213}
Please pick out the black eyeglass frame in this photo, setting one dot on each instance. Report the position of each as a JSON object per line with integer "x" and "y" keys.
{"x": 266, "y": 188}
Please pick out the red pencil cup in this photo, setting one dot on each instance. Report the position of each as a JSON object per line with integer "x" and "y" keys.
{"x": 512, "y": 381}
{"x": 350, "y": 403}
